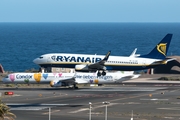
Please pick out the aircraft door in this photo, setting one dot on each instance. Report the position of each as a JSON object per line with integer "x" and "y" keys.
{"x": 49, "y": 59}
{"x": 144, "y": 64}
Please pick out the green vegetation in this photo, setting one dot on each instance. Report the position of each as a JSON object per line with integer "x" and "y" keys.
{"x": 10, "y": 85}
{"x": 5, "y": 112}
{"x": 172, "y": 78}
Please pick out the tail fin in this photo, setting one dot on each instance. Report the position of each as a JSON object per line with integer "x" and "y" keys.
{"x": 161, "y": 49}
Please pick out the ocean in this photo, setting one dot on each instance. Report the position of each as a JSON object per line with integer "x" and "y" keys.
{"x": 21, "y": 43}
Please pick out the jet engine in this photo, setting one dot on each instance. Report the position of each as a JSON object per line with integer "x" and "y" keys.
{"x": 81, "y": 67}
{"x": 55, "y": 83}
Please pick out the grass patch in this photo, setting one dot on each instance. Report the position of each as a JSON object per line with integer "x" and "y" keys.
{"x": 173, "y": 78}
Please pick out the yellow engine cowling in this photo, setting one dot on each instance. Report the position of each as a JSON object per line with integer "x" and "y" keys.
{"x": 81, "y": 68}
{"x": 54, "y": 83}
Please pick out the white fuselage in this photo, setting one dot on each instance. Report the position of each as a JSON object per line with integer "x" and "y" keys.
{"x": 36, "y": 77}
{"x": 113, "y": 63}
{"x": 116, "y": 77}
{"x": 85, "y": 62}
{"x": 78, "y": 77}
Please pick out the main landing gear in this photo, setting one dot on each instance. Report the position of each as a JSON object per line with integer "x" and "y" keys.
{"x": 16, "y": 86}
{"x": 75, "y": 87}
{"x": 101, "y": 73}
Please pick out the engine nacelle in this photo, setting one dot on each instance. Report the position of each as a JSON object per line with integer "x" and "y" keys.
{"x": 55, "y": 83}
{"x": 81, "y": 68}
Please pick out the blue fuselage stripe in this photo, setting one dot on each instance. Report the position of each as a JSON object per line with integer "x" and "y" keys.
{"x": 126, "y": 68}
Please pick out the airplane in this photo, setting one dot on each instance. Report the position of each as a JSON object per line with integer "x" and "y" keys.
{"x": 68, "y": 79}
{"x": 86, "y": 62}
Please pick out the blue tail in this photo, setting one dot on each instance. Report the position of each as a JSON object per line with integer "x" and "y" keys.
{"x": 161, "y": 49}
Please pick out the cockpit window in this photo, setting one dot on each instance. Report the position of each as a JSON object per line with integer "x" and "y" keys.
{"x": 41, "y": 57}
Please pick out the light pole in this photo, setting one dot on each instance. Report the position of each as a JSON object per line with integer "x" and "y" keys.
{"x": 106, "y": 103}
{"x": 49, "y": 113}
{"x": 132, "y": 115}
{"x": 90, "y": 110}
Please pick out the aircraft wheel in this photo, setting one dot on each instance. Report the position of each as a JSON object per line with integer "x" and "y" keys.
{"x": 99, "y": 74}
{"x": 75, "y": 87}
{"x": 16, "y": 86}
{"x": 103, "y": 73}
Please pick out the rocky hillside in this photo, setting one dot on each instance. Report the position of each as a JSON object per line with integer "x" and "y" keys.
{"x": 172, "y": 67}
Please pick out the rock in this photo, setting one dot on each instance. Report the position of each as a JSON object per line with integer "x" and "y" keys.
{"x": 172, "y": 67}
{"x": 1, "y": 69}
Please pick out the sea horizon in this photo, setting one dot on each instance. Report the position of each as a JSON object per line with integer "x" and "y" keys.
{"x": 22, "y": 42}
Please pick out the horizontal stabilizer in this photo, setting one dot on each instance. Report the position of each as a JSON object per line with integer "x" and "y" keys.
{"x": 136, "y": 76}
{"x": 133, "y": 54}
{"x": 165, "y": 61}
{"x": 125, "y": 72}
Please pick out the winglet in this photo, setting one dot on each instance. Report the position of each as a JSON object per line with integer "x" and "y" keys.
{"x": 133, "y": 53}
{"x": 107, "y": 56}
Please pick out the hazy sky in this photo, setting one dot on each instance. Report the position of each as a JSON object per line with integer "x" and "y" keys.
{"x": 89, "y": 10}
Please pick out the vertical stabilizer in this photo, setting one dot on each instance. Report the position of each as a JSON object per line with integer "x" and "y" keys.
{"x": 161, "y": 49}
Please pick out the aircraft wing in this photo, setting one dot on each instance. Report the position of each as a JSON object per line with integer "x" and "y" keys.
{"x": 62, "y": 82}
{"x": 67, "y": 79}
{"x": 99, "y": 65}
{"x": 128, "y": 77}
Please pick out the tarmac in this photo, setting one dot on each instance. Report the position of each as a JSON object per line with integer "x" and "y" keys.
{"x": 146, "y": 102}
{"x": 128, "y": 100}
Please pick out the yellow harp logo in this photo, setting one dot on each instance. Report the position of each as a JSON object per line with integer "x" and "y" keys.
{"x": 162, "y": 48}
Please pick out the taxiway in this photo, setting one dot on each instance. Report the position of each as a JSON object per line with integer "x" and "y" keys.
{"x": 146, "y": 102}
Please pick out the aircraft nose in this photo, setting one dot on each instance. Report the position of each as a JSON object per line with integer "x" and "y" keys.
{"x": 36, "y": 61}
{"x": 5, "y": 80}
